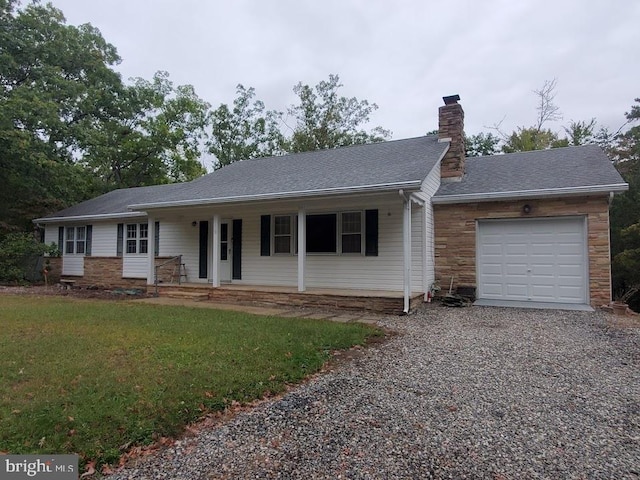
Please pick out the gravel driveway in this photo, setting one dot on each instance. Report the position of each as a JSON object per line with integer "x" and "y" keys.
{"x": 459, "y": 393}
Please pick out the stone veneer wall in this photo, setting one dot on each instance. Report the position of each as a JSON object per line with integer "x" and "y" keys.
{"x": 106, "y": 272}
{"x": 56, "y": 269}
{"x": 455, "y": 237}
{"x": 451, "y": 125}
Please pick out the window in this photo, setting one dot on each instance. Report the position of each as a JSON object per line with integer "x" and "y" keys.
{"x": 322, "y": 233}
{"x": 81, "y": 239}
{"x": 351, "y": 232}
{"x": 336, "y": 233}
{"x": 137, "y": 238}
{"x": 282, "y": 234}
{"x": 132, "y": 238}
{"x": 144, "y": 238}
{"x": 69, "y": 248}
{"x": 78, "y": 240}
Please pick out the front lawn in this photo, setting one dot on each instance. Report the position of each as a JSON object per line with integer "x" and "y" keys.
{"x": 92, "y": 377}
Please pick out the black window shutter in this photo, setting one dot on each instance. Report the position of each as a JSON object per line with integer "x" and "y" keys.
{"x": 203, "y": 269}
{"x": 156, "y": 239}
{"x": 236, "y": 240}
{"x": 61, "y": 240}
{"x": 265, "y": 235}
{"x": 87, "y": 250}
{"x": 371, "y": 233}
{"x": 120, "y": 241}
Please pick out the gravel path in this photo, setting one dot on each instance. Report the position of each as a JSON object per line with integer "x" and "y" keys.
{"x": 474, "y": 393}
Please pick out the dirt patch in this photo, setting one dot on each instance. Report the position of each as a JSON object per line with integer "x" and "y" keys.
{"x": 76, "y": 292}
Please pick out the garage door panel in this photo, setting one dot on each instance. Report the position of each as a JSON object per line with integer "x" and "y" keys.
{"x": 516, "y": 249}
{"x": 543, "y": 293}
{"x": 511, "y": 270}
{"x": 516, "y": 291}
{"x": 493, "y": 290}
{"x": 568, "y": 293}
{"x": 533, "y": 260}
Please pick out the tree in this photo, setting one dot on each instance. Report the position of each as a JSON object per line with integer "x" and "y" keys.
{"x": 246, "y": 131}
{"x": 532, "y": 138}
{"x": 481, "y": 144}
{"x": 548, "y": 111}
{"x": 52, "y": 77}
{"x": 580, "y": 133}
{"x": 154, "y": 135}
{"x": 625, "y": 208}
{"x": 326, "y": 120}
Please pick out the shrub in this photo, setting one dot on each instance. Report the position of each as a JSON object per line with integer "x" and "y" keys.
{"x": 19, "y": 256}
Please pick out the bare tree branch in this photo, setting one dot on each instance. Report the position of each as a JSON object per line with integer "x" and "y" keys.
{"x": 547, "y": 110}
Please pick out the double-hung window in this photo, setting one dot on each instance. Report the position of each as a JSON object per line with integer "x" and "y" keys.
{"x": 132, "y": 238}
{"x": 351, "y": 232}
{"x": 282, "y": 234}
{"x": 70, "y": 240}
{"x": 137, "y": 238}
{"x": 144, "y": 237}
{"x": 76, "y": 240}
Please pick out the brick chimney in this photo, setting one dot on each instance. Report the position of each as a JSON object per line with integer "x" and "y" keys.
{"x": 451, "y": 129}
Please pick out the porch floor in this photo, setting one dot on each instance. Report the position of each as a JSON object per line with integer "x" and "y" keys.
{"x": 379, "y": 301}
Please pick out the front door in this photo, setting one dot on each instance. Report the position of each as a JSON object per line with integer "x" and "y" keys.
{"x": 225, "y": 252}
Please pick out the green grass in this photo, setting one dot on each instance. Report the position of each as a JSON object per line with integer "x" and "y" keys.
{"x": 89, "y": 377}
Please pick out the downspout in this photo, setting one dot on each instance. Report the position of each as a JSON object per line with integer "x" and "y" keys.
{"x": 406, "y": 249}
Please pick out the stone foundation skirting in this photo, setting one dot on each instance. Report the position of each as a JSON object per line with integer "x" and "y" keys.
{"x": 106, "y": 272}
{"x": 264, "y": 297}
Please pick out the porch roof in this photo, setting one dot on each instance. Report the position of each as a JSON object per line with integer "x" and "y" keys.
{"x": 359, "y": 168}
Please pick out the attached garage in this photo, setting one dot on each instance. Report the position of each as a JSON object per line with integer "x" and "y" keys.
{"x": 533, "y": 260}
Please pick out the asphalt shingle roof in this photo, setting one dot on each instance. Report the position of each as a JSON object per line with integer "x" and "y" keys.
{"x": 396, "y": 161}
{"x": 118, "y": 201}
{"x": 361, "y": 166}
{"x": 537, "y": 170}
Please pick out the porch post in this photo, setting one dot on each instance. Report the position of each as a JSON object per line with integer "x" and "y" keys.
{"x": 151, "y": 257}
{"x": 302, "y": 248}
{"x": 406, "y": 231}
{"x": 215, "y": 251}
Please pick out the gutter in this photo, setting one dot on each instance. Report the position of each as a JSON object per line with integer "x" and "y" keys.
{"x": 280, "y": 196}
{"x": 77, "y": 218}
{"x": 545, "y": 192}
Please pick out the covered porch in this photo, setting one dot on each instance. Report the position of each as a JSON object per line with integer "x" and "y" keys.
{"x": 359, "y": 252}
{"x": 374, "y": 301}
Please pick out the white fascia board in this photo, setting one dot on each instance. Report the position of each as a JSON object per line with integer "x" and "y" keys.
{"x": 547, "y": 192}
{"x": 414, "y": 184}
{"x": 97, "y": 217}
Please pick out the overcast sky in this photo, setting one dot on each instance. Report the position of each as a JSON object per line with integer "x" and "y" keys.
{"x": 403, "y": 55}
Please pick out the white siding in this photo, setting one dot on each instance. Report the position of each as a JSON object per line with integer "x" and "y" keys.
{"x": 104, "y": 238}
{"x": 384, "y": 272}
{"x": 429, "y": 188}
{"x": 51, "y": 234}
{"x": 73, "y": 265}
{"x": 179, "y": 237}
{"x": 135, "y": 266}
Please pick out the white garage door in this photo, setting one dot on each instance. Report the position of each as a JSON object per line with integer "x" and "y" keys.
{"x": 535, "y": 260}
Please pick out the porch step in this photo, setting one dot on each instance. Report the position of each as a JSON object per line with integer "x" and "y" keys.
{"x": 366, "y": 302}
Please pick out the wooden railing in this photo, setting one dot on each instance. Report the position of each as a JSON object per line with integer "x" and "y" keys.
{"x": 178, "y": 260}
